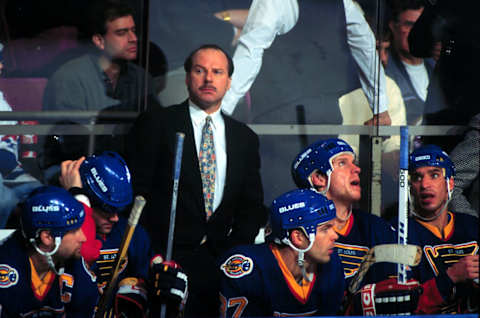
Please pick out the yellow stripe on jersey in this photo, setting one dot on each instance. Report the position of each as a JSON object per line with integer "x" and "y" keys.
{"x": 301, "y": 292}
{"x": 41, "y": 286}
{"x": 447, "y": 231}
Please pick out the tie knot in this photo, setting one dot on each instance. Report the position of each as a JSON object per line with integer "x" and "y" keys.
{"x": 208, "y": 120}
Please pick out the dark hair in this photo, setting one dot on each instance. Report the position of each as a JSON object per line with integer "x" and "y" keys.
{"x": 398, "y": 6}
{"x": 188, "y": 62}
{"x": 105, "y": 11}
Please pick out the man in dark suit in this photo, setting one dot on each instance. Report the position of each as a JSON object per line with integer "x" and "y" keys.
{"x": 220, "y": 200}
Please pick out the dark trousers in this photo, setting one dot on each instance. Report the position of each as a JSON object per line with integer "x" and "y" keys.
{"x": 203, "y": 282}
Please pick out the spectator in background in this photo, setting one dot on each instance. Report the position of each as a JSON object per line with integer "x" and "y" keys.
{"x": 412, "y": 74}
{"x": 452, "y": 98}
{"x": 326, "y": 50}
{"x": 15, "y": 183}
{"x": 106, "y": 77}
{"x": 466, "y": 157}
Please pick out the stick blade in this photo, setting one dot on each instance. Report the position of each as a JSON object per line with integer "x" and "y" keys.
{"x": 398, "y": 253}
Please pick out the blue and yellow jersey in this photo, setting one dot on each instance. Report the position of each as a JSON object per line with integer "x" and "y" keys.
{"x": 24, "y": 293}
{"x": 256, "y": 282}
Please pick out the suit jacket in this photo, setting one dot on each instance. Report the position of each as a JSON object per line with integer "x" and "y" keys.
{"x": 150, "y": 156}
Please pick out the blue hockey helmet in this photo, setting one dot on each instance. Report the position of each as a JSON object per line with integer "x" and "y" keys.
{"x": 318, "y": 156}
{"x": 299, "y": 208}
{"x": 51, "y": 208}
{"x": 431, "y": 156}
{"x": 106, "y": 179}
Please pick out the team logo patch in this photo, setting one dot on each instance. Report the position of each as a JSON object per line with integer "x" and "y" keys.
{"x": 8, "y": 276}
{"x": 237, "y": 266}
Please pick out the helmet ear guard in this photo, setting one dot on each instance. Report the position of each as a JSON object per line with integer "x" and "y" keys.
{"x": 107, "y": 180}
{"x": 303, "y": 209}
{"x": 54, "y": 209}
{"x": 431, "y": 156}
{"x": 318, "y": 156}
{"x": 50, "y": 208}
{"x": 299, "y": 209}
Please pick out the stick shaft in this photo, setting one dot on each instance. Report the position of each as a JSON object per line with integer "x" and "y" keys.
{"x": 177, "y": 167}
{"x": 403, "y": 199}
{"x": 137, "y": 208}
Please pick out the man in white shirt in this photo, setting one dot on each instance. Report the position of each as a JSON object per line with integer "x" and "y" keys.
{"x": 412, "y": 74}
{"x": 269, "y": 18}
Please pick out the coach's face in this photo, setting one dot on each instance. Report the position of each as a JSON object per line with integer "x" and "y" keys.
{"x": 208, "y": 80}
{"x": 71, "y": 244}
{"x": 104, "y": 221}
{"x": 429, "y": 190}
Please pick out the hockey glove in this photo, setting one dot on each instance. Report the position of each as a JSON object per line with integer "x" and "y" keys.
{"x": 168, "y": 281}
{"x": 131, "y": 298}
{"x": 386, "y": 298}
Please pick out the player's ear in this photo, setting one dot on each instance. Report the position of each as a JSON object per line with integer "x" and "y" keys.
{"x": 319, "y": 180}
{"x": 298, "y": 238}
{"x": 46, "y": 239}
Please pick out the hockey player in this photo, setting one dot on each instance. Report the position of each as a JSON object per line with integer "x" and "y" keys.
{"x": 295, "y": 274}
{"x": 40, "y": 271}
{"x": 446, "y": 280}
{"x": 449, "y": 268}
{"x": 103, "y": 182}
{"x": 328, "y": 166}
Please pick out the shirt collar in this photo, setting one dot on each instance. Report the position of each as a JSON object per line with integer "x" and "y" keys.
{"x": 198, "y": 115}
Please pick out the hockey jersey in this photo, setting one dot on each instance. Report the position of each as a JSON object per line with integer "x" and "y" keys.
{"x": 361, "y": 232}
{"x": 22, "y": 293}
{"x": 255, "y": 282}
{"x": 138, "y": 255}
{"x": 440, "y": 251}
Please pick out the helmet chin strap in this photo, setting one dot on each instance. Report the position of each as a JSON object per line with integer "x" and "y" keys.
{"x": 301, "y": 253}
{"x": 48, "y": 255}
{"x": 434, "y": 217}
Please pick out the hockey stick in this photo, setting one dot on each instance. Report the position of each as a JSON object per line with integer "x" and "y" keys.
{"x": 177, "y": 167}
{"x": 137, "y": 208}
{"x": 394, "y": 253}
{"x": 403, "y": 200}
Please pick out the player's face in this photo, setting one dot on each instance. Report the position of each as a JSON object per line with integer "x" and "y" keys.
{"x": 208, "y": 80}
{"x": 324, "y": 243}
{"x": 429, "y": 190}
{"x": 344, "y": 180}
{"x": 71, "y": 244}
{"x": 104, "y": 221}
{"x": 120, "y": 40}
{"x": 401, "y": 29}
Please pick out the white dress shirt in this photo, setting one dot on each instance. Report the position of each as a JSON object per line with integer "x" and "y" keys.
{"x": 269, "y": 18}
{"x": 198, "y": 116}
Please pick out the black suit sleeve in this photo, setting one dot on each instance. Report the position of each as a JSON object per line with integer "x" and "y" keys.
{"x": 250, "y": 213}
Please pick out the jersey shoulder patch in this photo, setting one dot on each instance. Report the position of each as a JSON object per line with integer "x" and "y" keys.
{"x": 8, "y": 276}
{"x": 237, "y": 266}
